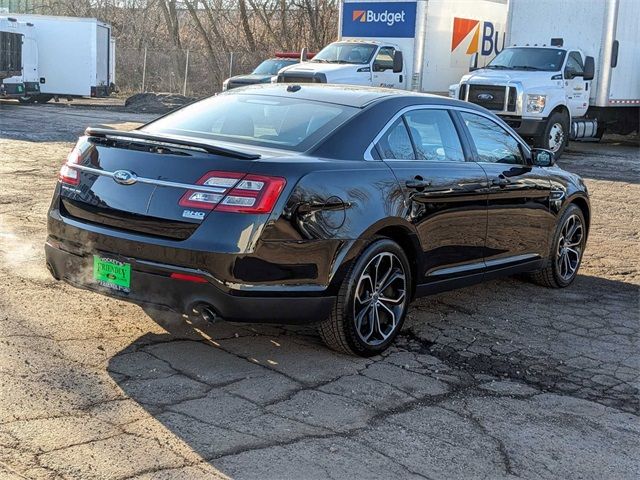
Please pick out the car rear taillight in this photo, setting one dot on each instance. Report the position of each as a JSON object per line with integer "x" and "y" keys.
{"x": 235, "y": 192}
{"x": 68, "y": 174}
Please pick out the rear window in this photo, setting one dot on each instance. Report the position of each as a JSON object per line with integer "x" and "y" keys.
{"x": 261, "y": 120}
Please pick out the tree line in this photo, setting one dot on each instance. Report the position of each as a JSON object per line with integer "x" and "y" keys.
{"x": 211, "y": 30}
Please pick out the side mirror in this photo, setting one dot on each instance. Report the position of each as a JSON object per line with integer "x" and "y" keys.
{"x": 473, "y": 62}
{"x": 542, "y": 157}
{"x": 589, "y": 68}
{"x": 397, "y": 61}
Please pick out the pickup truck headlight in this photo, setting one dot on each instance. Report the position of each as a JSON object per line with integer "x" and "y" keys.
{"x": 452, "y": 92}
{"x": 536, "y": 103}
{"x": 225, "y": 85}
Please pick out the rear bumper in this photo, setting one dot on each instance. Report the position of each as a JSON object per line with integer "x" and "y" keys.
{"x": 151, "y": 285}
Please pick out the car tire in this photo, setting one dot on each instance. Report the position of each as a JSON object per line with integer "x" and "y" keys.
{"x": 563, "y": 265}
{"x": 556, "y": 134}
{"x": 372, "y": 301}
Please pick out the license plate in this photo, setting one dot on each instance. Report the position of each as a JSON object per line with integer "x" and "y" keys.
{"x": 112, "y": 273}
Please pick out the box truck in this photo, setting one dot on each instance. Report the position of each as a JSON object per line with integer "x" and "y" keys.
{"x": 572, "y": 70}
{"x": 75, "y": 57}
{"x": 10, "y": 48}
{"x": 23, "y": 82}
{"x": 421, "y": 45}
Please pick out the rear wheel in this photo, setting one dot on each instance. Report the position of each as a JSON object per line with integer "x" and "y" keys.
{"x": 28, "y": 99}
{"x": 35, "y": 99}
{"x": 372, "y": 302}
{"x": 566, "y": 251}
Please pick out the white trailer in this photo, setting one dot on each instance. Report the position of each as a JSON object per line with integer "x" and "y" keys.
{"x": 420, "y": 45}
{"x": 24, "y": 83}
{"x": 572, "y": 69}
{"x": 10, "y": 48}
{"x": 75, "y": 56}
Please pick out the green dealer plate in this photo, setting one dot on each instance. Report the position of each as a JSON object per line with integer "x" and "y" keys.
{"x": 112, "y": 273}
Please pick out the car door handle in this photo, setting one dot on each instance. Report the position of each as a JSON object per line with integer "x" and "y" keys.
{"x": 500, "y": 181}
{"x": 418, "y": 183}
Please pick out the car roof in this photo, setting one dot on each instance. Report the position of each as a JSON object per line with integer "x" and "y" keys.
{"x": 348, "y": 95}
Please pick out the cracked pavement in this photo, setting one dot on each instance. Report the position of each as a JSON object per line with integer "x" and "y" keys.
{"x": 501, "y": 380}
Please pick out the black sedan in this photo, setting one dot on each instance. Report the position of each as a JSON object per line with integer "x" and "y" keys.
{"x": 315, "y": 203}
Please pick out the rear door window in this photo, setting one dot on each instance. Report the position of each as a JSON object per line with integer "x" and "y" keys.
{"x": 434, "y": 136}
{"x": 395, "y": 143}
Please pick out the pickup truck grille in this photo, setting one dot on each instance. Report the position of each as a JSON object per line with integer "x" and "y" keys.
{"x": 491, "y": 97}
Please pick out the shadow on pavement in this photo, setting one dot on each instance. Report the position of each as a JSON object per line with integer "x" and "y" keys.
{"x": 231, "y": 391}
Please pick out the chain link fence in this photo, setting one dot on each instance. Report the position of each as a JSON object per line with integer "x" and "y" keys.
{"x": 191, "y": 72}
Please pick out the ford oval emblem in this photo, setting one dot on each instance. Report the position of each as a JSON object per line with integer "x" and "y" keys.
{"x": 124, "y": 177}
{"x": 485, "y": 96}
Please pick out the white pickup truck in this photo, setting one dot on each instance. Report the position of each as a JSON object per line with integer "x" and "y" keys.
{"x": 575, "y": 75}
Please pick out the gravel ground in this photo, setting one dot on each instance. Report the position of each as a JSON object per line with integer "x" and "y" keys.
{"x": 501, "y": 380}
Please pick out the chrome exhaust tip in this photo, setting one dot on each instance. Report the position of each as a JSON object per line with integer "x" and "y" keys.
{"x": 208, "y": 314}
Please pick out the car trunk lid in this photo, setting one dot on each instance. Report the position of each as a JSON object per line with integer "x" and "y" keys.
{"x": 137, "y": 182}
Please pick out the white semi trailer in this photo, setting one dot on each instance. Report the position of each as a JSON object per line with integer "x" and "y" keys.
{"x": 421, "y": 45}
{"x": 76, "y": 57}
{"x": 572, "y": 70}
{"x": 23, "y": 82}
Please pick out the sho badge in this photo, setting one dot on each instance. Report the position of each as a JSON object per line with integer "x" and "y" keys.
{"x": 193, "y": 214}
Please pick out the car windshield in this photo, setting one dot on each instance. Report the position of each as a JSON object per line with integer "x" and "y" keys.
{"x": 358, "y": 53}
{"x": 535, "y": 59}
{"x": 272, "y": 66}
{"x": 261, "y": 120}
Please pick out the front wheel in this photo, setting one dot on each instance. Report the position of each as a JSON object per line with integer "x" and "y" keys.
{"x": 372, "y": 302}
{"x": 566, "y": 251}
{"x": 556, "y": 134}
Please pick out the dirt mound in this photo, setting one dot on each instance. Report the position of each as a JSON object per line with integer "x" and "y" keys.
{"x": 156, "y": 102}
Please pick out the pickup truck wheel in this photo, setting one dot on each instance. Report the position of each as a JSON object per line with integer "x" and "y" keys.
{"x": 556, "y": 134}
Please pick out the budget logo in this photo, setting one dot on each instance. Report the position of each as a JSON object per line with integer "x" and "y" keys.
{"x": 386, "y": 17}
{"x": 359, "y": 16}
{"x": 478, "y": 36}
{"x": 379, "y": 19}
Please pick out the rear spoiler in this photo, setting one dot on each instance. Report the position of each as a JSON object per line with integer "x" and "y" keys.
{"x": 158, "y": 138}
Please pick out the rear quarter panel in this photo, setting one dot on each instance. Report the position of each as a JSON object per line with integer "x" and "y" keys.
{"x": 331, "y": 215}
